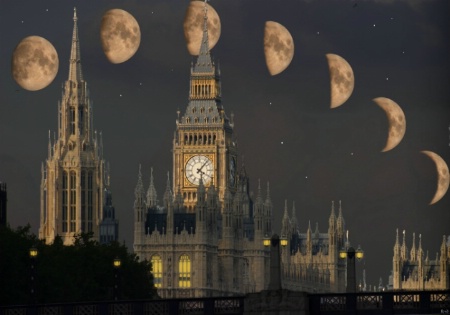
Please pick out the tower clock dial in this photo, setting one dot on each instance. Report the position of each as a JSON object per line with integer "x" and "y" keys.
{"x": 199, "y": 166}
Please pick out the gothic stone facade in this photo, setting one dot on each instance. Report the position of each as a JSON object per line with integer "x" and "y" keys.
{"x": 206, "y": 238}
{"x": 75, "y": 182}
{"x": 416, "y": 271}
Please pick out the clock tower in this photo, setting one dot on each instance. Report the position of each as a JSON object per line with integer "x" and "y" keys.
{"x": 203, "y": 147}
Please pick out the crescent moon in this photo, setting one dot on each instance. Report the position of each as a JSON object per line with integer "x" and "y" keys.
{"x": 397, "y": 121}
{"x": 443, "y": 179}
{"x": 193, "y": 26}
{"x": 342, "y": 80}
{"x": 34, "y": 63}
{"x": 278, "y": 47}
{"x": 120, "y": 35}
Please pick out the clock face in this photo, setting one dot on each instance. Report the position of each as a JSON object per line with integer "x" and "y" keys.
{"x": 232, "y": 171}
{"x": 199, "y": 166}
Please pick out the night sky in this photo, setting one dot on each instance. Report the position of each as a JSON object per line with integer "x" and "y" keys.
{"x": 311, "y": 154}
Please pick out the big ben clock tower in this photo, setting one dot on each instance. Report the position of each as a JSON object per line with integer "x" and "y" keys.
{"x": 203, "y": 145}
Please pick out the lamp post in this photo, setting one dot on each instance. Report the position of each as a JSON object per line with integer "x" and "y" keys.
{"x": 350, "y": 255}
{"x": 33, "y": 254}
{"x": 275, "y": 267}
{"x": 116, "y": 263}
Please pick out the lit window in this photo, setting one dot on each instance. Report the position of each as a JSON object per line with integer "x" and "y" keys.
{"x": 157, "y": 270}
{"x": 184, "y": 272}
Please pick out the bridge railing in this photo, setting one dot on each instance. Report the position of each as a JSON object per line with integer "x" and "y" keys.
{"x": 388, "y": 302}
{"x": 194, "y": 306}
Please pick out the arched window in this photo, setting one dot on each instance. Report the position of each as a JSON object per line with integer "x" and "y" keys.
{"x": 184, "y": 272}
{"x": 157, "y": 270}
{"x": 65, "y": 198}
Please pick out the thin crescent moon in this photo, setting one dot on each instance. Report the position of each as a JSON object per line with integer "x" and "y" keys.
{"x": 397, "y": 121}
{"x": 342, "y": 80}
{"x": 443, "y": 179}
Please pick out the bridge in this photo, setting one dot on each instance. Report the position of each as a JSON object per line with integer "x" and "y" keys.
{"x": 265, "y": 302}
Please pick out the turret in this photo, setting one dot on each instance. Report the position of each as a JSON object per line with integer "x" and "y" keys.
{"x": 258, "y": 215}
{"x": 200, "y": 210}
{"x": 413, "y": 255}
{"x": 403, "y": 248}
{"x": 340, "y": 226}
{"x": 268, "y": 213}
{"x": 444, "y": 273}
{"x": 139, "y": 208}
{"x": 294, "y": 222}
{"x": 152, "y": 196}
{"x": 286, "y": 222}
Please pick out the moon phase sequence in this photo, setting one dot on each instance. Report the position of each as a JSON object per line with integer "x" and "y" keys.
{"x": 34, "y": 63}
{"x": 278, "y": 47}
{"x": 342, "y": 80}
{"x": 443, "y": 178}
{"x": 120, "y": 35}
{"x": 397, "y": 121}
{"x": 193, "y": 26}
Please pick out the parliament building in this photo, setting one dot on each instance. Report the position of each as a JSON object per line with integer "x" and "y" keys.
{"x": 206, "y": 236}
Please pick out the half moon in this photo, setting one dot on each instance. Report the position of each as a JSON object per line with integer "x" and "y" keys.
{"x": 342, "y": 80}
{"x": 397, "y": 121}
{"x": 34, "y": 63}
{"x": 120, "y": 35}
{"x": 278, "y": 47}
{"x": 194, "y": 23}
{"x": 443, "y": 178}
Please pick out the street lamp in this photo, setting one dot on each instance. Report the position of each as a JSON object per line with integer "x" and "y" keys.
{"x": 116, "y": 263}
{"x": 33, "y": 252}
{"x": 350, "y": 254}
{"x": 275, "y": 266}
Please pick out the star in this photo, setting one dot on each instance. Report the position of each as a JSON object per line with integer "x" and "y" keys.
{"x": 306, "y": 177}
{"x": 282, "y": 142}
{"x": 387, "y": 79}
{"x": 351, "y": 153}
{"x": 374, "y": 25}
{"x": 120, "y": 95}
{"x": 318, "y": 33}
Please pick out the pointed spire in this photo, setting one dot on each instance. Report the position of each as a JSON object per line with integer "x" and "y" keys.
{"x": 413, "y": 248}
{"x": 204, "y": 63}
{"x": 49, "y": 146}
{"x": 152, "y": 196}
{"x": 259, "y": 194}
{"x": 168, "y": 196}
{"x": 397, "y": 243}
{"x": 294, "y": 221}
{"x": 75, "y": 73}
{"x": 139, "y": 190}
{"x": 268, "y": 200}
{"x": 286, "y": 214}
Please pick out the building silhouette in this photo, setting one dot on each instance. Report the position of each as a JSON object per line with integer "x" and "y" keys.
{"x": 74, "y": 183}
{"x": 3, "y": 204}
{"x": 206, "y": 236}
{"x": 414, "y": 270}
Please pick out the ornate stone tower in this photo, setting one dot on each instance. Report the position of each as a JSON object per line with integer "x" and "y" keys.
{"x": 72, "y": 184}
{"x": 203, "y": 145}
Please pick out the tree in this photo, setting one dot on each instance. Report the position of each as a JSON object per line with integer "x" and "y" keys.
{"x": 81, "y": 272}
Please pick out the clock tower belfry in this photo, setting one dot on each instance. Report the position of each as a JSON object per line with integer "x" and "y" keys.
{"x": 203, "y": 145}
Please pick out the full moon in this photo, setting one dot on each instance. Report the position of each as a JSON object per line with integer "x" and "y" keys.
{"x": 443, "y": 178}
{"x": 34, "y": 63}
{"x": 397, "y": 121}
{"x": 278, "y": 47}
{"x": 342, "y": 80}
{"x": 120, "y": 35}
{"x": 193, "y": 26}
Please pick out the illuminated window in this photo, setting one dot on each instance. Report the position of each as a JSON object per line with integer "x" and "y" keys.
{"x": 157, "y": 270}
{"x": 184, "y": 272}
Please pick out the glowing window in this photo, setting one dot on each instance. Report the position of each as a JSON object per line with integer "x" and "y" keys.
{"x": 157, "y": 270}
{"x": 184, "y": 272}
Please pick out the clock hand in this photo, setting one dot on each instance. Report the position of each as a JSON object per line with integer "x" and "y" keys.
{"x": 200, "y": 169}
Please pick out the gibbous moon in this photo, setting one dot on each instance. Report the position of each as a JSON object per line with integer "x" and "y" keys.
{"x": 443, "y": 178}
{"x": 193, "y": 26}
{"x": 397, "y": 121}
{"x": 278, "y": 47}
{"x": 34, "y": 63}
{"x": 120, "y": 35}
{"x": 342, "y": 80}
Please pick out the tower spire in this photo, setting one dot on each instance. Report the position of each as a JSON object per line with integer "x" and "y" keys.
{"x": 75, "y": 73}
{"x": 204, "y": 63}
